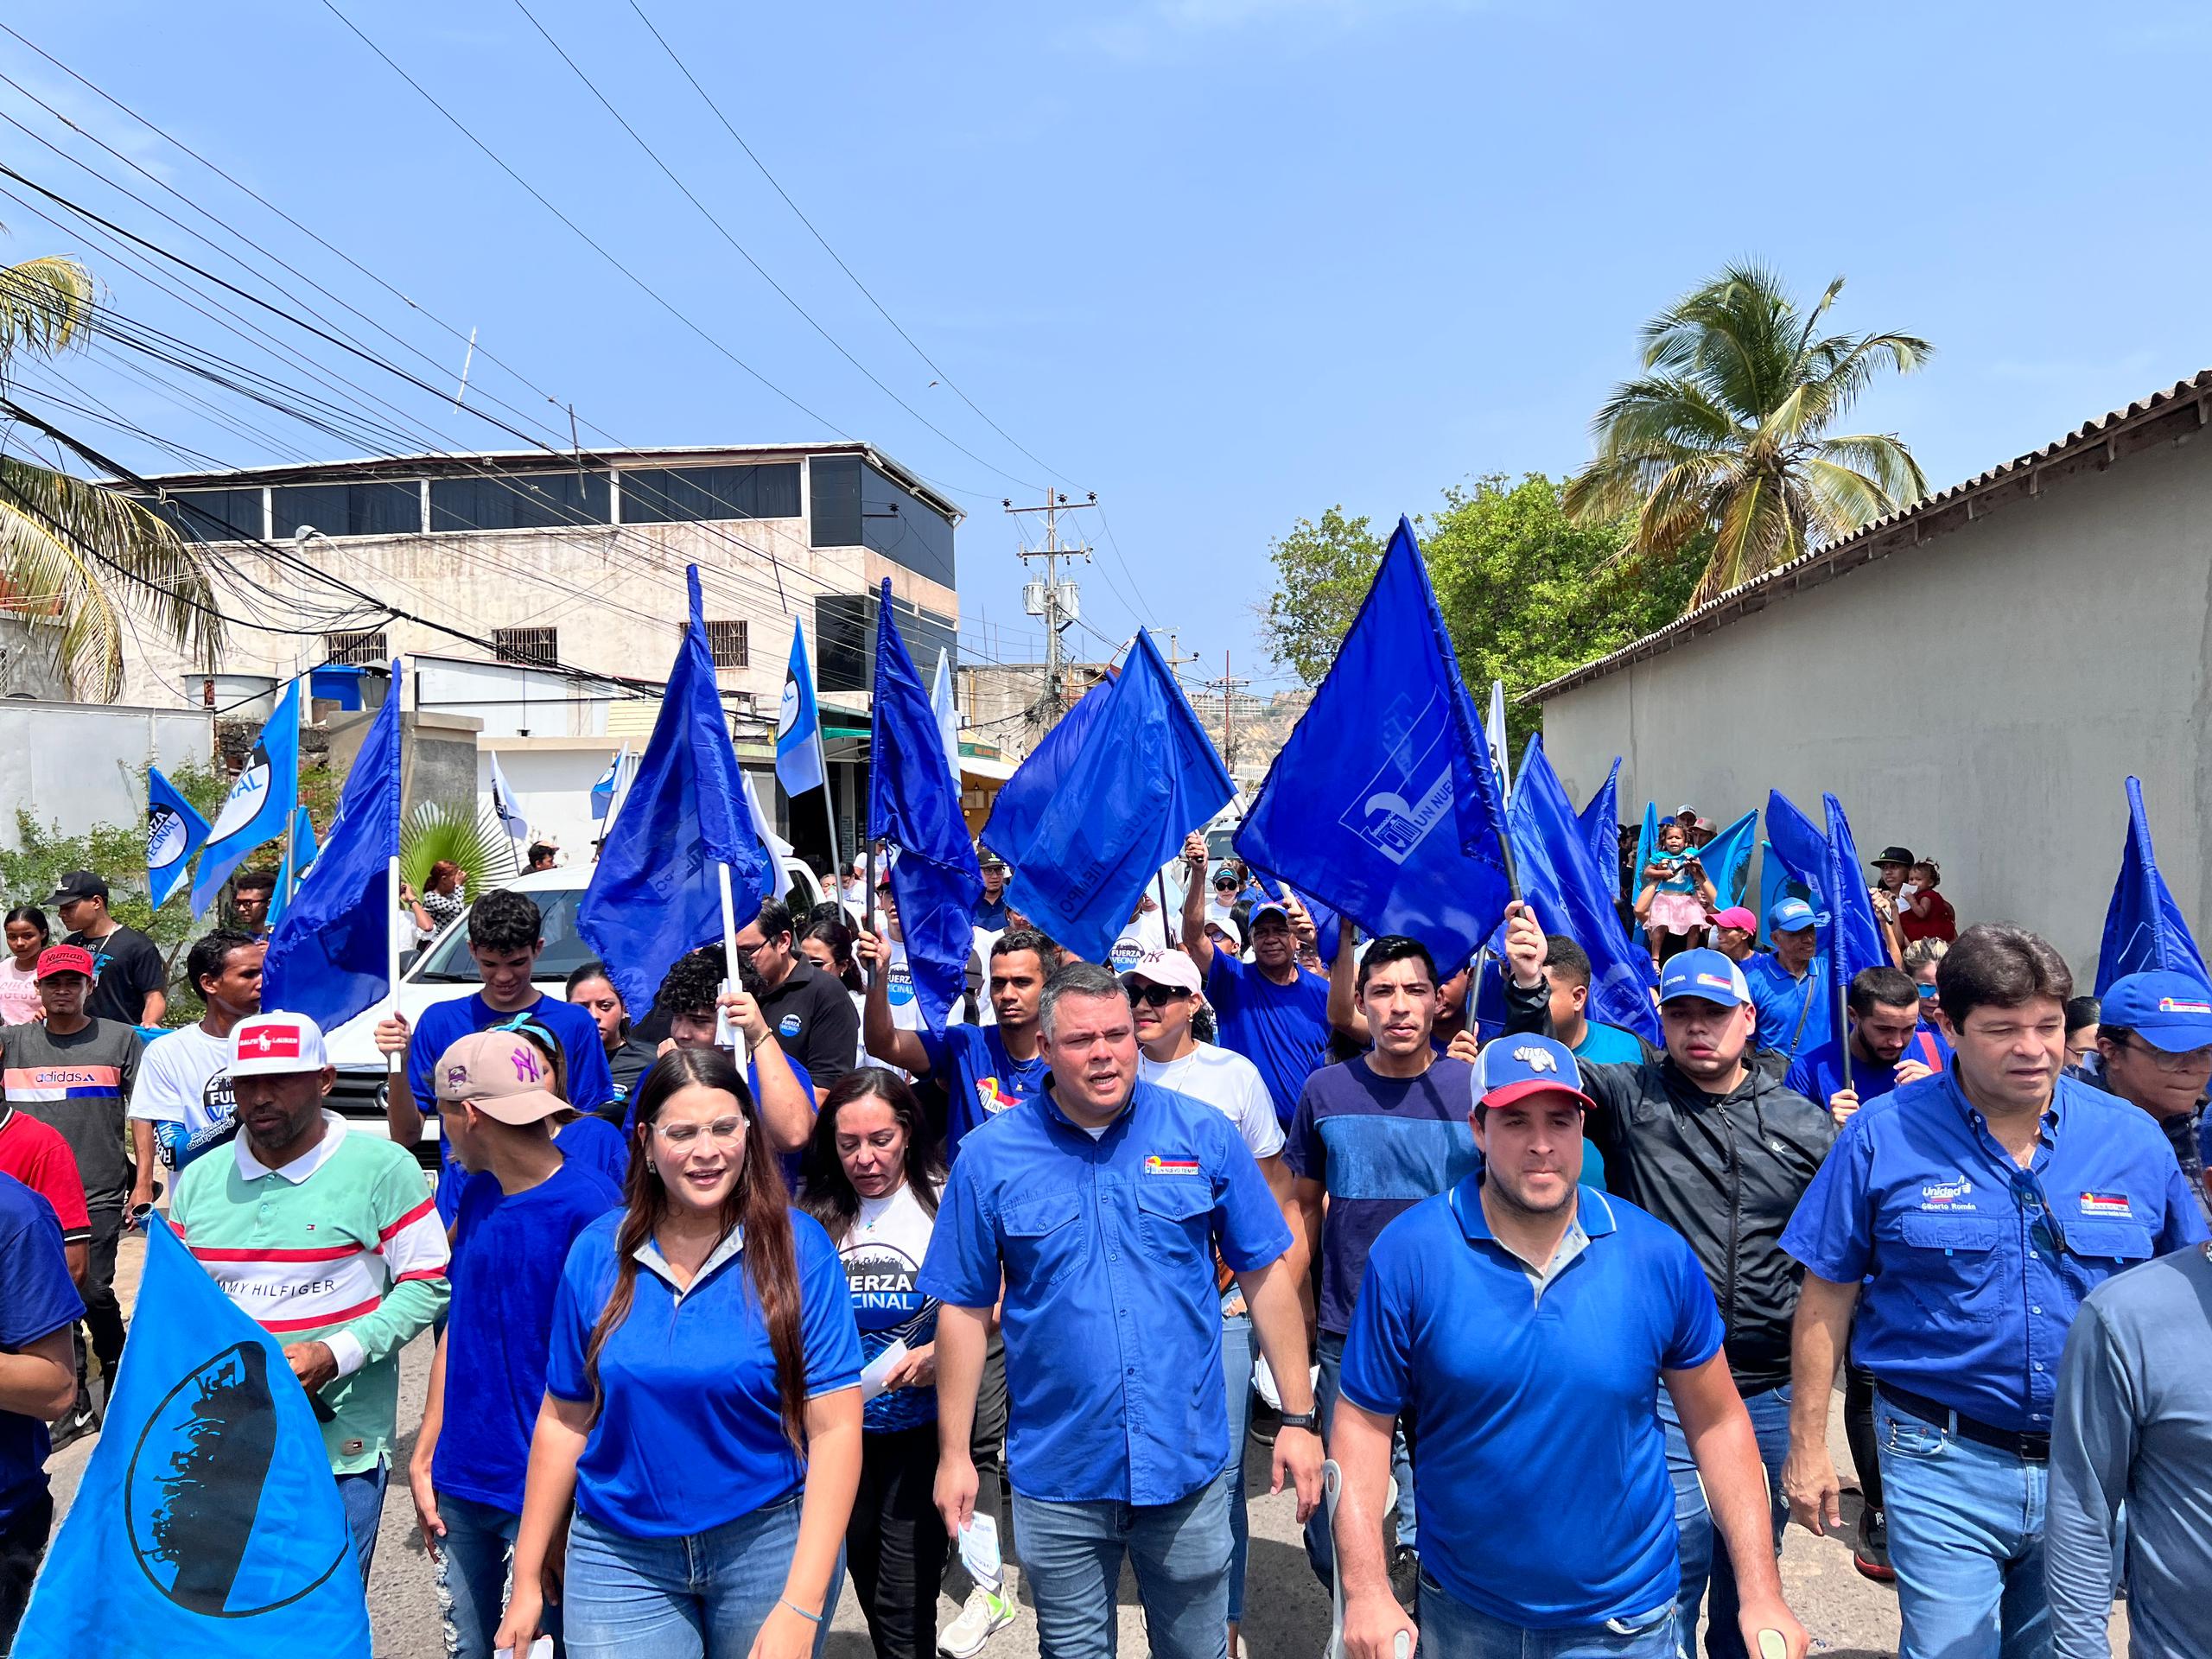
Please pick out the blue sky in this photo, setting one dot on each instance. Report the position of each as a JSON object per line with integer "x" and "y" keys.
{"x": 1224, "y": 262}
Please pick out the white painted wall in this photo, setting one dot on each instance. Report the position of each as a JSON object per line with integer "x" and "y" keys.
{"x": 1978, "y": 698}
{"x": 80, "y": 765}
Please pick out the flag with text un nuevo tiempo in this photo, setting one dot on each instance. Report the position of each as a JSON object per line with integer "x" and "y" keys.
{"x": 913, "y": 803}
{"x": 175, "y": 831}
{"x": 206, "y": 1525}
{"x": 799, "y": 722}
{"x": 1145, "y": 777}
{"x": 603, "y": 787}
{"x": 503, "y": 806}
{"x": 1383, "y": 803}
{"x": 2143, "y": 927}
{"x": 259, "y": 805}
{"x": 297, "y": 857}
{"x": 330, "y": 955}
{"x": 1560, "y": 880}
{"x": 1728, "y": 860}
{"x": 1020, "y": 805}
{"x": 656, "y": 890}
{"x": 1601, "y": 829}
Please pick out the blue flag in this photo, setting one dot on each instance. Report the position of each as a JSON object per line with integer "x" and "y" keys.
{"x": 1647, "y": 843}
{"x": 206, "y": 1525}
{"x": 604, "y": 786}
{"x": 656, "y": 892}
{"x": 1144, "y": 776}
{"x": 259, "y": 805}
{"x": 2143, "y": 927}
{"x": 1601, "y": 829}
{"x": 1850, "y": 940}
{"x": 294, "y": 866}
{"x": 1020, "y": 803}
{"x": 1803, "y": 851}
{"x": 175, "y": 831}
{"x": 913, "y": 803}
{"x": 1383, "y": 803}
{"x": 798, "y": 723}
{"x": 330, "y": 956}
{"x": 1558, "y": 878}
{"x": 1728, "y": 860}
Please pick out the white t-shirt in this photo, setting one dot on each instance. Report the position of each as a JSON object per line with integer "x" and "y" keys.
{"x": 1230, "y": 1084}
{"x": 184, "y": 1078}
{"x": 19, "y": 999}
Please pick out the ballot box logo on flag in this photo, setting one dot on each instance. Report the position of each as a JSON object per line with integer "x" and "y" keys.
{"x": 1411, "y": 793}
{"x": 193, "y": 1495}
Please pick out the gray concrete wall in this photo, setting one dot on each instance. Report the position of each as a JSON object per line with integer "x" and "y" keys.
{"x": 1979, "y": 698}
{"x": 79, "y": 766}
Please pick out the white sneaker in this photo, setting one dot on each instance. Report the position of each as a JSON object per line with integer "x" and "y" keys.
{"x": 980, "y": 1615}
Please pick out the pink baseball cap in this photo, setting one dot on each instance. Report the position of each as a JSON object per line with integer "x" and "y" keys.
{"x": 1736, "y": 917}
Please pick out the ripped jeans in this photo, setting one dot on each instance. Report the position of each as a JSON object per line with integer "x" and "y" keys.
{"x": 474, "y": 1559}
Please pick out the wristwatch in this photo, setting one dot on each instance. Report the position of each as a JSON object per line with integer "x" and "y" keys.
{"x": 1311, "y": 1421}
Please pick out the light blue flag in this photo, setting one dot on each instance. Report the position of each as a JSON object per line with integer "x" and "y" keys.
{"x": 799, "y": 722}
{"x": 656, "y": 890}
{"x": 1383, "y": 803}
{"x": 1601, "y": 829}
{"x": 1558, "y": 878}
{"x": 913, "y": 803}
{"x": 1146, "y": 776}
{"x": 1728, "y": 860}
{"x": 259, "y": 805}
{"x": 603, "y": 791}
{"x": 206, "y": 1525}
{"x": 175, "y": 831}
{"x": 1647, "y": 842}
{"x": 294, "y": 866}
{"x": 2143, "y": 927}
{"x": 330, "y": 956}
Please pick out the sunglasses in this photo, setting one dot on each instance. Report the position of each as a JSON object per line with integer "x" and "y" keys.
{"x": 1153, "y": 996}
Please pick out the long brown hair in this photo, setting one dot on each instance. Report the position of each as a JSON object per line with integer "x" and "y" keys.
{"x": 758, "y": 1203}
{"x": 826, "y": 1192}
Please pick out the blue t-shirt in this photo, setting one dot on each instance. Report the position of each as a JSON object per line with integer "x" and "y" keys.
{"x": 1872, "y": 1082}
{"x": 690, "y": 1435}
{"x": 1283, "y": 1029}
{"x": 1526, "y": 1514}
{"x": 583, "y": 1057}
{"x": 507, "y": 1253}
{"x": 596, "y": 1144}
{"x": 1604, "y": 1044}
{"x": 1784, "y": 1021}
{"x": 1378, "y": 1146}
{"x": 36, "y": 1300}
{"x": 990, "y": 914}
{"x": 979, "y": 1078}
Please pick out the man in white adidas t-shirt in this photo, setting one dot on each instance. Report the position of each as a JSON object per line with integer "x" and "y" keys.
{"x": 1164, "y": 991}
{"x": 182, "y": 1097}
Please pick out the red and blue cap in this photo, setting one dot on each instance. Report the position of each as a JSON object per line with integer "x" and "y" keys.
{"x": 1512, "y": 1068}
{"x": 1704, "y": 974}
{"x": 2171, "y": 1011}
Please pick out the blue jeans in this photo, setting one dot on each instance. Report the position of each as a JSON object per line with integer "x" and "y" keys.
{"x": 474, "y": 1559}
{"x": 1965, "y": 1538}
{"x": 1704, "y": 1555}
{"x": 363, "y": 1496}
{"x": 1237, "y": 1350}
{"x": 700, "y": 1597}
{"x": 1451, "y": 1629}
{"x": 1320, "y": 1547}
{"x": 1071, "y": 1555}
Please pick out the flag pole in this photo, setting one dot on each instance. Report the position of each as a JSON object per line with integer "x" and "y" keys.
{"x": 1166, "y": 932}
{"x": 1842, "y": 1001}
{"x": 729, "y": 930}
{"x": 391, "y": 887}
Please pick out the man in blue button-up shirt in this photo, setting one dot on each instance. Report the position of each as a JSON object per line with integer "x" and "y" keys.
{"x": 1100, "y": 1204}
{"x": 1979, "y": 1207}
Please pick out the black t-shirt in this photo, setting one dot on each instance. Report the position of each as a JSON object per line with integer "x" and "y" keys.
{"x": 126, "y": 966}
{"x": 815, "y": 1022}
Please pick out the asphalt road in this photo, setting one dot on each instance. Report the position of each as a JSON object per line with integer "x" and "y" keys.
{"x": 1286, "y": 1609}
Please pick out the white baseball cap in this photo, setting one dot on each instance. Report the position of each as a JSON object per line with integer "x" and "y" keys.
{"x": 276, "y": 1044}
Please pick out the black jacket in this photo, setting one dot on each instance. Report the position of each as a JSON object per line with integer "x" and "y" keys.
{"x": 1724, "y": 1170}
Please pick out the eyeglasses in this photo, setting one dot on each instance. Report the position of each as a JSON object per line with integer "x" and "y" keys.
{"x": 2188, "y": 1060}
{"x": 1153, "y": 996}
{"x": 723, "y": 1131}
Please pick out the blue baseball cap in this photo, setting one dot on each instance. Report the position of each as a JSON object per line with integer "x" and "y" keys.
{"x": 1512, "y": 1067}
{"x": 1789, "y": 915}
{"x": 1705, "y": 973}
{"x": 2171, "y": 1011}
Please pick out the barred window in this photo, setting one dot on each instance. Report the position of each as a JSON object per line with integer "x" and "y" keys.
{"x": 355, "y": 649}
{"x": 725, "y": 640}
{"x": 541, "y": 646}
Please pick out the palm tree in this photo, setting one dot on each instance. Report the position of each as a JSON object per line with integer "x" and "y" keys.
{"x": 79, "y": 562}
{"x": 1727, "y": 432}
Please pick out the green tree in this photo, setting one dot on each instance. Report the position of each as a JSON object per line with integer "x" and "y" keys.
{"x": 1727, "y": 433}
{"x": 1322, "y": 572}
{"x": 78, "y": 562}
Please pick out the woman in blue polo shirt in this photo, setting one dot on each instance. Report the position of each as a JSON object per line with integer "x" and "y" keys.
{"x": 873, "y": 1175}
{"x": 702, "y": 1402}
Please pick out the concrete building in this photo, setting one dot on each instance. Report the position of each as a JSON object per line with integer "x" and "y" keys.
{"x": 1973, "y": 677}
{"x": 77, "y": 767}
{"x": 581, "y": 566}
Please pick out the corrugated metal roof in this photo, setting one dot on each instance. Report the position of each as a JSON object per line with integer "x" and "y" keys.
{"x": 2161, "y": 417}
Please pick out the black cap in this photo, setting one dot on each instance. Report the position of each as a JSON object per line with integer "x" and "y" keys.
{"x": 1895, "y": 855}
{"x": 79, "y": 883}
{"x": 990, "y": 862}
{"x": 1224, "y": 877}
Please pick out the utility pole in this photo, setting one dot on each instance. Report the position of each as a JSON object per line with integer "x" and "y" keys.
{"x": 1228, "y": 684}
{"x": 1054, "y": 601}
{"x": 1175, "y": 659}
